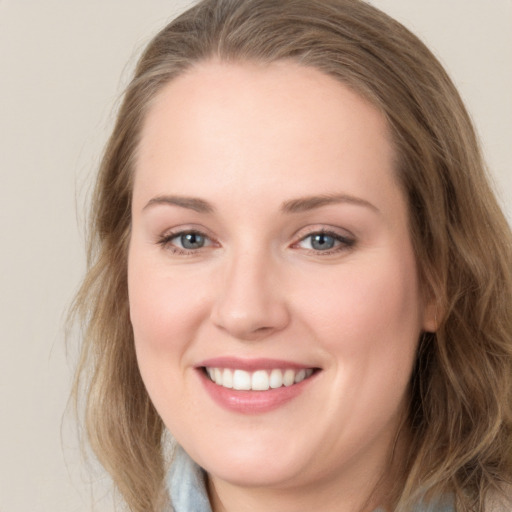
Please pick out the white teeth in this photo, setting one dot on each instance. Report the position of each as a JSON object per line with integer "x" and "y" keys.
{"x": 227, "y": 378}
{"x": 288, "y": 377}
{"x": 276, "y": 379}
{"x": 241, "y": 380}
{"x": 300, "y": 376}
{"x": 260, "y": 380}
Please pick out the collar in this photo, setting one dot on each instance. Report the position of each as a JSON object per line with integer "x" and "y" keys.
{"x": 186, "y": 482}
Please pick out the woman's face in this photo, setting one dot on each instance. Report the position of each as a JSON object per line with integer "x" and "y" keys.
{"x": 270, "y": 244}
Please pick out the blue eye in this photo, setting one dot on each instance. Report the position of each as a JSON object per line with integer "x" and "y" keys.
{"x": 325, "y": 242}
{"x": 322, "y": 242}
{"x": 191, "y": 241}
{"x": 185, "y": 242}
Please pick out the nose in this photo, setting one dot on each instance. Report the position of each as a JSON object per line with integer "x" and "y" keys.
{"x": 250, "y": 303}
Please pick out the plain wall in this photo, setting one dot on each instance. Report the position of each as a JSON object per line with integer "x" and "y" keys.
{"x": 62, "y": 68}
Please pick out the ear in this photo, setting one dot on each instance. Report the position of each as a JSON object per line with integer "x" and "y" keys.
{"x": 432, "y": 315}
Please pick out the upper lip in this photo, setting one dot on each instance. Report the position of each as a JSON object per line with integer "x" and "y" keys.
{"x": 236, "y": 363}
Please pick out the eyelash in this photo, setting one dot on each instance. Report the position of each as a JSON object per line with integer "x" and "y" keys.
{"x": 344, "y": 243}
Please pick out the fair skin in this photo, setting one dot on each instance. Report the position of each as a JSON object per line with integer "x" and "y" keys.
{"x": 269, "y": 233}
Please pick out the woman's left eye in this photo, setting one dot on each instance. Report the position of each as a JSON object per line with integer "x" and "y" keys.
{"x": 325, "y": 242}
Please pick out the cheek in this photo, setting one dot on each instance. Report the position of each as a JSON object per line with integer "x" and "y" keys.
{"x": 164, "y": 307}
{"x": 369, "y": 311}
{"x": 166, "y": 310}
{"x": 370, "y": 325}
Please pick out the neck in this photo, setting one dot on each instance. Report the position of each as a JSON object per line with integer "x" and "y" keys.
{"x": 226, "y": 498}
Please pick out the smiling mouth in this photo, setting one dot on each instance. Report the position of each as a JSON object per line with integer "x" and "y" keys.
{"x": 259, "y": 380}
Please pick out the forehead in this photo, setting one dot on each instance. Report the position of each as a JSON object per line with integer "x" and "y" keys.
{"x": 250, "y": 124}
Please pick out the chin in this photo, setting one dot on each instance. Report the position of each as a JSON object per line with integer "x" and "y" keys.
{"x": 256, "y": 467}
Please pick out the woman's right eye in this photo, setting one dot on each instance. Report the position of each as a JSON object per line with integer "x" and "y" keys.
{"x": 185, "y": 242}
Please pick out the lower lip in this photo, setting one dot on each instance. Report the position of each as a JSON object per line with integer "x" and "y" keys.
{"x": 253, "y": 402}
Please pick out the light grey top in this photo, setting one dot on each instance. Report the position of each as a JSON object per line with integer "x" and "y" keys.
{"x": 187, "y": 488}
{"x": 187, "y": 485}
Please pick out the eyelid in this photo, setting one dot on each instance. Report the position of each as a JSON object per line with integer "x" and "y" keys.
{"x": 325, "y": 229}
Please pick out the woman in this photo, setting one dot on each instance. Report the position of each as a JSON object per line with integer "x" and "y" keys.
{"x": 298, "y": 269}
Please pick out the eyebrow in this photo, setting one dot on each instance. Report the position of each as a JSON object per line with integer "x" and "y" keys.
{"x": 304, "y": 204}
{"x": 191, "y": 203}
{"x": 299, "y": 205}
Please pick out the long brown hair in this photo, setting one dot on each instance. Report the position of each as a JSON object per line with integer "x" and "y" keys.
{"x": 460, "y": 416}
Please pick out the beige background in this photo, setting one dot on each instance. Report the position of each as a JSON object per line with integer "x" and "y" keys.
{"x": 62, "y": 66}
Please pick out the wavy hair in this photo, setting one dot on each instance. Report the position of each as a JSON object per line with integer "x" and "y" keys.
{"x": 459, "y": 417}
